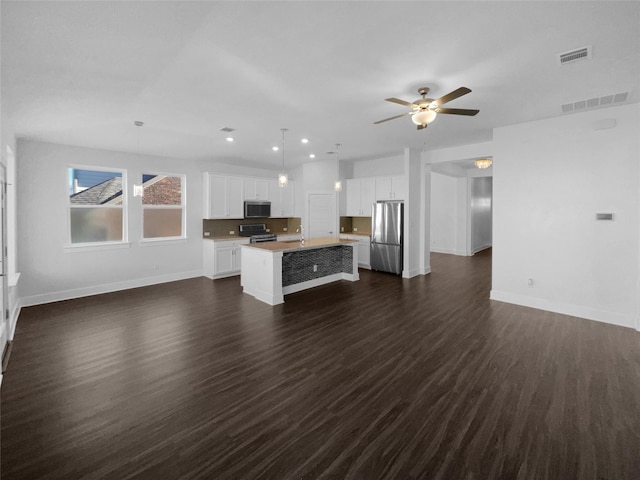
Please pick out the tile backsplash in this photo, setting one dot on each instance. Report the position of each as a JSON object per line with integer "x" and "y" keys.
{"x": 221, "y": 228}
{"x": 280, "y": 226}
{"x": 355, "y": 225}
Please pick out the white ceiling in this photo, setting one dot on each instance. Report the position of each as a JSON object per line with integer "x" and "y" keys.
{"x": 80, "y": 73}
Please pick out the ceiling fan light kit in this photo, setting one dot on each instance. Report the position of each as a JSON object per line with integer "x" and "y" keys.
{"x": 425, "y": 110}
{"x": 423, "y": 117}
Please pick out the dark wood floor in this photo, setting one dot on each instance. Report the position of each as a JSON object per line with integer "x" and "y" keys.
{"x": 380, "y": 379}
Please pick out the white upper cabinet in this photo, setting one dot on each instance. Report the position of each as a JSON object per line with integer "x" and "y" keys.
{"x": 223, "y": 196}
{"x": 256, "y": 189}
{"x": 361, "y": 195}
{"x": 282, "y": 199}
{"x": 390, "y": 188}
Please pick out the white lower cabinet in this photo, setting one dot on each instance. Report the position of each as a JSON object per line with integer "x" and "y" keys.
{"x": 364, "y": 248}
{"x": 222, "y": 258}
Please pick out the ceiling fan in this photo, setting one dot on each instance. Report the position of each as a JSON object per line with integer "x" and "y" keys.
{"x": 424, "y": 110}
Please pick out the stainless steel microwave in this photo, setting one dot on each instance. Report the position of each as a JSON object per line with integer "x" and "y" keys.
{"x": 257, "y": 209}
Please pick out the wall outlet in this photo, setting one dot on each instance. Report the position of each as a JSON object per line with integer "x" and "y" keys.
{"x": 232, "y": 232}
{"x": 267, "y": 230}
{"x": 315, "y": 268}
{"x": 530, "y": 282}
{"x": 342, "y": 229}
{"x": 207, "y": 234}
{"x": 285, "y": 229}
{"x": 355, "y": 229}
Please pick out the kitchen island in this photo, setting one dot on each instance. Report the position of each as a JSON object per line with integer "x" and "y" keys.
{"x": 271, "y": 270}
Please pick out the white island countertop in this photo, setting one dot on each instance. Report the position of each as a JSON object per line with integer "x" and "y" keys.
{"x": 293, "y": 245}
{"x": 271, "y": 270}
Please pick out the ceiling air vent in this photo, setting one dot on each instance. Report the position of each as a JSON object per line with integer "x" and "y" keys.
{"x": 227, "y": 129}
{"x": 574, "y": 56}
{"x": 595, "y": 102}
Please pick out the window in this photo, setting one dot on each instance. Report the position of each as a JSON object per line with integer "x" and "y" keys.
{"x": 96, "y": 205}
{"x": 162, "y": 206}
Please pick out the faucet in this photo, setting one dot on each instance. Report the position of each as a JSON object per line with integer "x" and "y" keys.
{"x": 301, "y": 230}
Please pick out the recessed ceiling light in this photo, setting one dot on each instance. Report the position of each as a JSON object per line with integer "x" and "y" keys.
{"x": 305, "y": 140}
{"x": 229, "y": 139}
{"x": 275, "y": 149}
{"x": 312, "y": 155}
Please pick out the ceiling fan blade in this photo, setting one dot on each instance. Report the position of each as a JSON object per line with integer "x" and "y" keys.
{"x": 391, "y": 118}
{"x": 451, "y": 96}
{"x": 456, "y": 111}
{"x": 401, "y": 102}
{"x": 420, "y": 127}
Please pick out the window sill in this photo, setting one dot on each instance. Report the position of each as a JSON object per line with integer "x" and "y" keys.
{"x": 158, "y": 242}
{"x": 88, "y": 247}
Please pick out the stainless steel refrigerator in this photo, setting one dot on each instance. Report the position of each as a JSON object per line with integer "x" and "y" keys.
{"x": 386, "y": 236}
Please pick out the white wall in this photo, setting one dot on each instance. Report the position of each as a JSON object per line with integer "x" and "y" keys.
{"x": 550, "y": 179}
{"x": 414, "y": 236}
{"x": 379, "y": 167}
{"x": 462, "y": 152}
{"x": 443, "y": 213}
{"x": 49, "y": 271}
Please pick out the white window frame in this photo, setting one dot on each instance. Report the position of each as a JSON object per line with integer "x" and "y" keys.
{"x": 84, "y": 246}
{"x": 182, "y": 206}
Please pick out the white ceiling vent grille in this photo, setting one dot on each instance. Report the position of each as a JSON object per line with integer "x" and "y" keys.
{"x": 574, "y": 56}
{"x": 595, "y": 102}
{"x": 227, "y": 129}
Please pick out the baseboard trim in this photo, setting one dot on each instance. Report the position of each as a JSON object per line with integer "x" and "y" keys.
{"x": 316, "y": 282}
{"x": 448, "y": 251}
{"x": 579, "y": 311}
{"x": 13, "y": 319}
{"x": 414, "y": 272}
{"x": 482, "y": 247}
{"x": 6, "y": 355}
{"x": 425, "y": 270}
{"x": 106, "y": 288}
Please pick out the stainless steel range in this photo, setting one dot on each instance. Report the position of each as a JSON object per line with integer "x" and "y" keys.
{"x": 257, "y": 233}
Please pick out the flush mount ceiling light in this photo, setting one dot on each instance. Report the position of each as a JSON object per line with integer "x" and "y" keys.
{"x": 275, "y": 148}
{"x": 305, "y": 140}
{"x": 283, "y": 178}
{"x": 229, "y": 139}
{"x": 483, "y": 163}
{"x": 312, "y": 155}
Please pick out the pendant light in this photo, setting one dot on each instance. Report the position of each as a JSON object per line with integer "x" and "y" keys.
{"x": 283, "y": 178}
{"x": 138, "y": 190}
{"x": 337, "y": 185}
